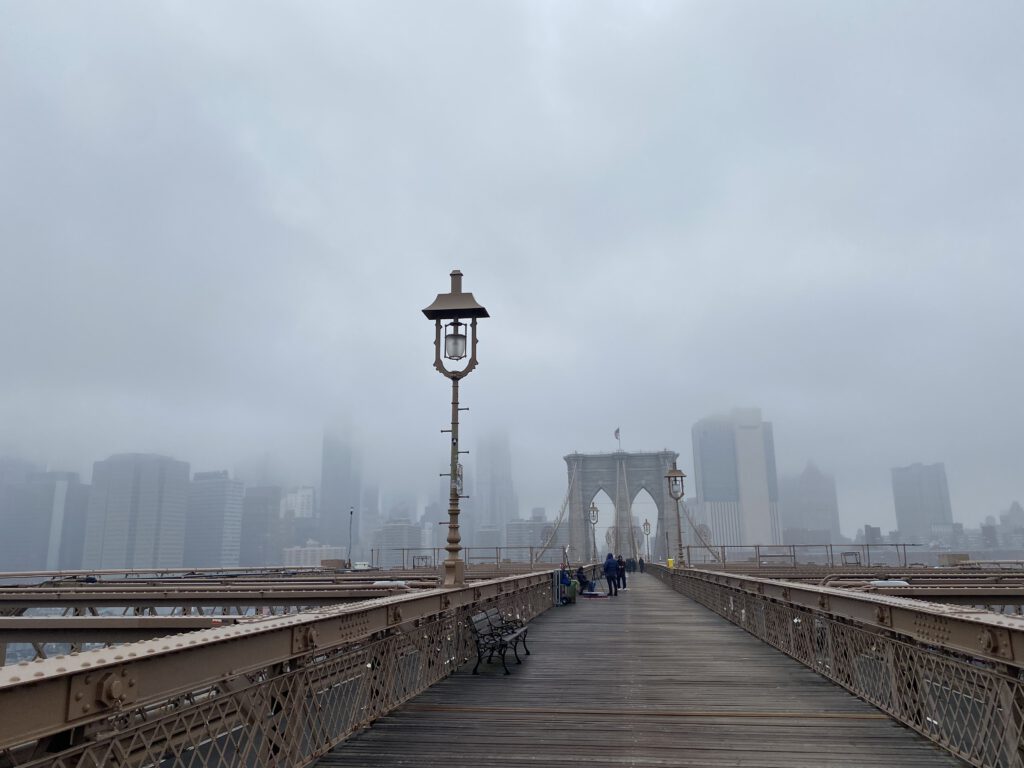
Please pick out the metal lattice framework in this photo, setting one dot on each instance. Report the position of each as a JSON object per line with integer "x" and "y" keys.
{"x": 276, "y": 691}
{"x": 951, "y": 673}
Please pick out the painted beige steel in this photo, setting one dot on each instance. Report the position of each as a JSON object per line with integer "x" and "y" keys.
{"x": 277, "y": 691}
{"x": 951, "y": 673}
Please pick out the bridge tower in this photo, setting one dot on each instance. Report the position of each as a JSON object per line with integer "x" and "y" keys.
{"x": 621, "y": 475}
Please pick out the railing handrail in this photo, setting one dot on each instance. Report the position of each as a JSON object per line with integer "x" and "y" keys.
{"x": 949, "y": 672}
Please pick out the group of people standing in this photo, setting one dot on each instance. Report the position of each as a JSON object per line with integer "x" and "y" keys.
{"x": 615, "y": 569}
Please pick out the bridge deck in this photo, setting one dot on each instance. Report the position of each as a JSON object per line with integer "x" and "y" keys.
{"x": 646, "y": 678}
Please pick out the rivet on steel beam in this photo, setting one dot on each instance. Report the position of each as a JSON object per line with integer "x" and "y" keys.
{"x": 986, "y": 641}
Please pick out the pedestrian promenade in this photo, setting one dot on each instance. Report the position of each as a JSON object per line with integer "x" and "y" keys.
{"x": 648, "y": 678}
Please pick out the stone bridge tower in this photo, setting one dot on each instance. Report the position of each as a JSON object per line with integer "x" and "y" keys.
{"x": 622, "y": 476}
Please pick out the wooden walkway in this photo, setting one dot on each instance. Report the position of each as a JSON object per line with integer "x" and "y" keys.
{"x": 648, "y": 678}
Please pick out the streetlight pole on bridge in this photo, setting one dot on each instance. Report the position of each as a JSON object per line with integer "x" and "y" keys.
{"x": 675, "y": 479}
{"x": 593, "y": 527}
{"x": 454, "y": 307}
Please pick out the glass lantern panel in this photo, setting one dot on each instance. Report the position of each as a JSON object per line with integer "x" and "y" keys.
{"x": 455, "y": 346}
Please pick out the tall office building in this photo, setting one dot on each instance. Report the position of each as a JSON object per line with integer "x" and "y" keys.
{"x": 340, "y": 490}
{"x": 42, "y": 520}
{"x": 494, "y": 497}
{"x": 136, "y": 516}
{"x": 213, "y": 522}
{"x": 809, "y": 508}
{"x": 921, "y": 497}
{"x": 737, "y": 488}
{"x": 261, "y": 533}
{"x": 401, "y": 542}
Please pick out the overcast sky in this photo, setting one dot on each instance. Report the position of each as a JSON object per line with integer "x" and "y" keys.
{"x": 219, "y": 223}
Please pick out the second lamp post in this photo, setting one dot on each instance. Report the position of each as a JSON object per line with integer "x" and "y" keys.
{"x": 593, "y": 527}
{"x": 454, "y": 307}
{"x": 675, "y": 479}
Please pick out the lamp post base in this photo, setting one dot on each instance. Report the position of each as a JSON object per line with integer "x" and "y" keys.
{"x": 454, "y": 573}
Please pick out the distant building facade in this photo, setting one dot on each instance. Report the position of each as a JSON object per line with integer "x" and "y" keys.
{"x": 311, "y": 555}
{"x": 136, "y": 513}
{"x": 398, "y": 535}
{"x": 921, "y": 497}
{"x": 737, "y": 485}
{"x": 494, "y": 496}
{"x": 42, "y": 516}
{"x": 213, "y": 523}
{"x": 809, "y": 508}
{"x": 261, "y": 533}
{"x": 340, "y": 491}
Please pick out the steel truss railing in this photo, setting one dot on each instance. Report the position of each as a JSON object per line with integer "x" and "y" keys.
{"x": 952, "y": 674}
{"x": 278, "y": 691}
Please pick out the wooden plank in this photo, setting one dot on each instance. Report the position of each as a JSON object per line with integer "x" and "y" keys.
{"x": 648, "y": 678}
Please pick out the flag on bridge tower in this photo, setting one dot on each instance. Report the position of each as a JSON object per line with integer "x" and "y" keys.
{"x": 616, "y": 433}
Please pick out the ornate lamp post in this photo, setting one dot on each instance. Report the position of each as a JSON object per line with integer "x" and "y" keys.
{"x": 647, "y": 533}
{"x": 593, "y": 526}
{"x": 675, "y": 479}
{"x": 455, "y": 307}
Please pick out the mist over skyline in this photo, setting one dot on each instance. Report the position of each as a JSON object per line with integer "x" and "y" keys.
{"x": 221, "y": 223}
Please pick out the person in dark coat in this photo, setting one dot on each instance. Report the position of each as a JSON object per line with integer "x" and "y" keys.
{"x": 622, "y": 572}
{"x": 642, "y": 565}
{"x": 611, "y": 574}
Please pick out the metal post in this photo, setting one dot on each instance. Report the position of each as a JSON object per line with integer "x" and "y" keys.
{"x": 867, "y": 553}
{"x": 454, "y": 568}
{"x": 679, "y": 533}
{"x": 351, "y": 512}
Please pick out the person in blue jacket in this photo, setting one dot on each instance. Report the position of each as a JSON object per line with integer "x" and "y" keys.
{"x": 611, "y": 574}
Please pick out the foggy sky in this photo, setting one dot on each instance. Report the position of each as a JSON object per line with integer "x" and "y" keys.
{"x": 219, "y": 223}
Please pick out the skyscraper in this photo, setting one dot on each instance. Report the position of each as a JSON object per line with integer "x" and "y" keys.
{"x": 43, "y": 522}
{"x": 921, "y": 498}
{"x": 494, "y": 498}
{"x": 339, "y": 492}
{"x": 737, "y": 489}
{"x": 809, "y": 508}
{"x": 136, "y": 516}
{"x": 261, "y": 534}
{"x": 213, "y": 523}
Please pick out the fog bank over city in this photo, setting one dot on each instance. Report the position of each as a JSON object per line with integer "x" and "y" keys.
{"x": 221, "y": 223}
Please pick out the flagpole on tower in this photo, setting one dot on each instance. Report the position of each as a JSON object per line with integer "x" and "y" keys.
{"x": 617, "y": 438}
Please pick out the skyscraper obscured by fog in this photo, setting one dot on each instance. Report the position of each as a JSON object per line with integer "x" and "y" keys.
{"x": 737, "y": 488}
{"x": 136, "y": 516}
{"x": 42, "y": 519}
{"x": 921, "y": 497}
{"x": 340, "y": 490}
{"x": 809, "y": 508}
{"x": 262, "y": 532}
{"x": 213, "y": 523}
{"x": 494, "y": 498}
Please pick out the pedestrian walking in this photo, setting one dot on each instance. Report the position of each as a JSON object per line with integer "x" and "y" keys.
{"x": 641, "y": 565}
{"x": 622, "y": 572}
{"x": 611, "y": 575}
